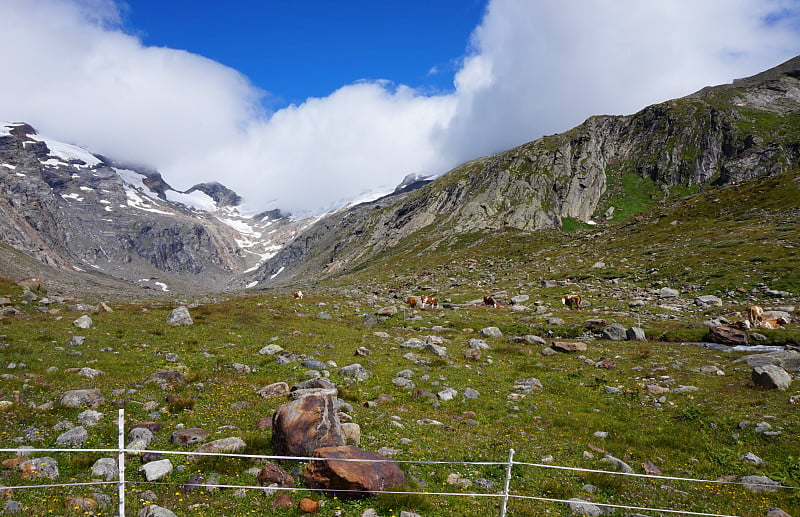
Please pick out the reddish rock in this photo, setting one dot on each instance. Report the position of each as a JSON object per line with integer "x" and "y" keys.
{"x": 359, "y": 479}
{"x": 282, "y": 500}
{"x": 473, "y": 354}
{"x": 300, "y": 426}
{"x": 569, "y": 346}
{"x": 273, "y": 474}
{"x": 309, "y": 505}
{"x": 727, "y": 336}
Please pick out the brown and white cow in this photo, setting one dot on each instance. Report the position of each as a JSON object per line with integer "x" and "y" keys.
{"x": 573, "y": 301}
{"x": 298, "y": 295}
{"x": 772, "y": 323}
{"x": 412, "y": 302}
{"x": 754, "y": 315}
{"x": 429, "y": 300}
{"x": 489, "y": 301}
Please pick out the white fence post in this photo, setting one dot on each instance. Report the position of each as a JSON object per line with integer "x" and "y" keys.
{"x": 121, "y": 460}
{"x": 508, "y": 482}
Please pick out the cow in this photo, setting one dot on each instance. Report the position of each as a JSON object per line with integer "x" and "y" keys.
{"x": 754, "y": 315}
{"x": 489, "y": 301}
{"x": 412, "y": 302}
{"x": 32, "y": 283}
{"x": 772, "y": 323}
{"x": 298, "y": 295}
{"x": 573, "y": 301}
{"x": 429, "y": 300}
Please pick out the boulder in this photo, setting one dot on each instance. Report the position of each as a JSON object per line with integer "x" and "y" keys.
{"x": 771, "y": 377}
{"x": 231, "y": 445}
{"x": 635, "y": 334}
{"x": 708, "y": 300}
{"x": 190, "y": 436}
{"x": 307, "y": 423}
{"x": 491, "y": 332}
{"x": 276, "y": 389}
{"x": 727, "y": 336}
{"x": 156, "y": 469}
{"x": 273, "y": 474}
{"x": 82, "y": 398}
{"x": 356, "y": 371}
{"x": 165, "y": 378}
{"x": 75, "y": 437}
{"x": 153, "y": 510}
{"x": 37, "y": 468}
{"x": 615, "y": 332}
{"x": 569, "y": 346}
{"x": 180, "y": 316}
{"x": 360, "y": 479}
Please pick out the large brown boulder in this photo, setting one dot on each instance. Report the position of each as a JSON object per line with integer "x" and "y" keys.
{"x": 307, "y": 423}
{"x": 352, "y": 478}
{"x": 727, "y": 336}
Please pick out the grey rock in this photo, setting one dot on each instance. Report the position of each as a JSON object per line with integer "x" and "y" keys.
{"x": 75, "y": 437}
{"x": 447, "y": 394}
{"x": 708, "y": 300}
{"x": 276, "y": 389}
{"x": 324, "y": 315}
{"x": 270, "y": 349}
{"x": 356, "y": 371}
{"x": 12, "y": 506}
{"x": 618, "y": 464}
{"x": 105, "y": 468}
{"x": 666, "y": 292}
{"x": 84, "y": 322}
{"x": 90, "y": 418}
{"x": 403, "y": 383}
{"x": 585, "y": 508}
{"x": 635, "y": 334}
{"x": 180, "y": 316}
{"x": 520, "y": 298}
{"x": 759, "y": 484}
{"x": 615, "y": 332}
{"x": 752, "y": 459}
{"x": 470, "y": 393}
{"x": 90, "y": 398}
{"x": 478, "y": 344}
{"x": 153, "y": 510}
{"x": 771, "y": 377}
{"x": 491, "y": 332}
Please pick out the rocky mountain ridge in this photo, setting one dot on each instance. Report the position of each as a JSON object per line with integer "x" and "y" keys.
{"x": 75, "y": 211}
{"x": 718, "y": 136}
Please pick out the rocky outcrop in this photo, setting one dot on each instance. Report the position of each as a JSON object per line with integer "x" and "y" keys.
{"x": 76, "y": 212}
{"x": 717, "y": 136}
{"x": 307, "y": 423}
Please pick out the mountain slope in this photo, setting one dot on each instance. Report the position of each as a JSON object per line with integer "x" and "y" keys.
{"x": 608, "y": 167}
{"x": 77, "y": 212}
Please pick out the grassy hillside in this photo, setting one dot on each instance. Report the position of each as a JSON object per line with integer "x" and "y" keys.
{"x": 736, "y": 242}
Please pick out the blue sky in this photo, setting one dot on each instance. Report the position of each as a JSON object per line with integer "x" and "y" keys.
{"x": 295, "y": 49}
{"x": 307, "y": 105}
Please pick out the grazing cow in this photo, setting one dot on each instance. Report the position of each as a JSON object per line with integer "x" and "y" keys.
{"x": 754, "y": 315}
{"x": 429, "y": 300}
{"x": 298, "y": 295}
{"x": 30, "y": 283}
{"x": 489, "y": 301}
{"x": 412, "y": 302}
{"x": 573, "y": 301}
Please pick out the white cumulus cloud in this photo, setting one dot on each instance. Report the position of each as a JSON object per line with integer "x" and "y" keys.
{"x": 532, "y": 67}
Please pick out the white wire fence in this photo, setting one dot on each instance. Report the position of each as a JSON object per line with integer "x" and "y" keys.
{"x": 504, "y": 496}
